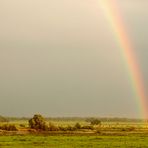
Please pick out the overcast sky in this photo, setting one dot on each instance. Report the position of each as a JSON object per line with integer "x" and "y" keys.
{"x": 61, "y": 58}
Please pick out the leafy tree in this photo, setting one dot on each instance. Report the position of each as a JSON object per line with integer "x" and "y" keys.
{"x": 38, "y": 122}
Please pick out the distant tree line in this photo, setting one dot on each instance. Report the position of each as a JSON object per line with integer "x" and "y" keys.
{"x": 104, "y": 119}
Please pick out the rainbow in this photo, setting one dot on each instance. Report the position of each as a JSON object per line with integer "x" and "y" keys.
{"x": 113, "y": 15}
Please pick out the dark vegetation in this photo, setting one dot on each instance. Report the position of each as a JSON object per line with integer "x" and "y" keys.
{"x": 8, "y": 127}
{"x": 65, "y": 133}
{"x": 38, "y": 122}
{"x": 94, "y": 121}
{"x": 95, "y": 125}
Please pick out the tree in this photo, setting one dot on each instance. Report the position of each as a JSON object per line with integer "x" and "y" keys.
{"x": 77, "y": 126}
{"x": 38, "y": 122}
{"x": 95, "y": 122}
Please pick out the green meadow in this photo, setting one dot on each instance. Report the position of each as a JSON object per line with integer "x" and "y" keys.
{"x": 60, "y": 141}
{"x": 107, "y": 133}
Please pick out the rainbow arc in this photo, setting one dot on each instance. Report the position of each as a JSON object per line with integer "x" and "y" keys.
{"x": 114, "y": 18}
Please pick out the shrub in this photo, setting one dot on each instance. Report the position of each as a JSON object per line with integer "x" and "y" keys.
{"x": 61, "y": 128}
{"x": 8, "y": 127}
{"x": 52, "y": 127}
{"x": 70, "y": 128}
{"x": 88, "y": 127}
{"x": 128, "y": 129}
{"x": 131, "y": 128}
{"x": 22, "y": 125}
{"x": 98, "y": 131}
{"x": 67, "y": 128}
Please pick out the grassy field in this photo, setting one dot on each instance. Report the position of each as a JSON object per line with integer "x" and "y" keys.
{"x": 107, "y": 135}
{"x": 28, "y": 141}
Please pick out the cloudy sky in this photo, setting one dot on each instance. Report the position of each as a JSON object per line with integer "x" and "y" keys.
{"x": 61, "y": 58}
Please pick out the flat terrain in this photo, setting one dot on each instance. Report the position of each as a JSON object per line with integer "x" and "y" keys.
{"x": 30, "y": 141}
{"x": 115, "y": 134}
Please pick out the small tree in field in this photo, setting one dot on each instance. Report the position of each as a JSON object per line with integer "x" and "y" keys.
{"x": 95, "y": 122}
{"x": 77, "y": 126}
{"x": 38, "y": 122}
